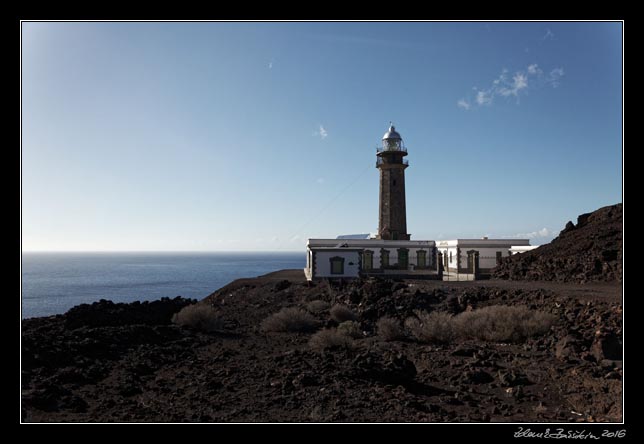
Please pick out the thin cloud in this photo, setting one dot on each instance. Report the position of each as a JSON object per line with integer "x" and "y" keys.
{"x": 320, "y": 180}
{"x": 554, "y": 78}
{"x": 512, "y": 86}
{"x": 270, "y": 65}
{"x": 321, "y": 132}
{"x": 463, "y": 104}
{"x": 483, "y": 98}
{"x": 534, "y": 69}
{"x": 549, "y": 35}
{"x": 519, "y": 82}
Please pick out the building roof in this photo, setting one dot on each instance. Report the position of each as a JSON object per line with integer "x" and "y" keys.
{"x": 354, "y": 236}
{"x": 482, "y": 242}
{"x": 370, "y": 243}
{"x": 336, "y": 248}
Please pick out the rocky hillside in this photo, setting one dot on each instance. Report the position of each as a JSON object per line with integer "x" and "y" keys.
{"x": 128, "y": 362}
{"x": 589, "y": 251}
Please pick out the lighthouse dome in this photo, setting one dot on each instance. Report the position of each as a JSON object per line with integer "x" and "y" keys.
{"x": 391, "y": 134}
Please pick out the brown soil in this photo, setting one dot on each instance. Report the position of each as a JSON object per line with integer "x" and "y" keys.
{"x": 590, "y": 251}
{"x": 128, "y": 362}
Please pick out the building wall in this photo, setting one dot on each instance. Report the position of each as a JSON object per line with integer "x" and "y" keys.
{"x": 522, "y": 248}
{"x": 324, "y": 249}
{"x": 393, "y": 256}
{"x": 451, "y": 265}
{"x": 487, "y": 256}
{"x": 322, "y": 262}
{"x": 487, "y": 249}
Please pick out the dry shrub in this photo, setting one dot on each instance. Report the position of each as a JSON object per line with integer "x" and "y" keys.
{"x": 342, "y": 313}
{"x": 502, "y": 323}
{"x": 199, "y": 316}
{"x": 291, "y": 320}
{"x": 351, "y": 329}
{"x": 317, "y": 306}
{"x": 497, "y": 323}
{"x": 431, "y": 327}
{"x": 389, "y": 329}
{"x": 330, "y": 338}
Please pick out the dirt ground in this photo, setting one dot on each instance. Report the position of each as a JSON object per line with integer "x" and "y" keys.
{"x": 128, "y": 363}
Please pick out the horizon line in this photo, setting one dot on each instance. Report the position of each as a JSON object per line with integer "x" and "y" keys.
{"x": 161, "y": 251}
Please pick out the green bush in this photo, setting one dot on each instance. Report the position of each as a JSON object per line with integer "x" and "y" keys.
{"x": 291, "y": 320}
{"x": 199, "y": 316}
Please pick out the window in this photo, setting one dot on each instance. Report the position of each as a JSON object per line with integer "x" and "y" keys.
{"x": 394, "y": 182}
{"x": 421, "y": 259}
{"x": 384, "y": 258}
{"x": 367, "y": 260}
{"x": 403, "y": 258}
{"x": 337, "y": 265}
{"x": 473, "y": 261}
{"x": 499, "y": 257}
{"x": 392, "y": 145}
{"x": 450, "y": 257}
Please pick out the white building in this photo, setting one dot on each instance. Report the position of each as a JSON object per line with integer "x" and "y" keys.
{"x": 342, "y": 258}
{"x": 391, "y": 253}
{"x": 469, "y": 259}
{"x": 516, "y": 249}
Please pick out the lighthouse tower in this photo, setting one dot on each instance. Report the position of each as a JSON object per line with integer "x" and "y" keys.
{"x": 392, "y": 221}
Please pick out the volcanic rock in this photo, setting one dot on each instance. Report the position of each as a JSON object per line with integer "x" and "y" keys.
{"x": 590, "y": 251}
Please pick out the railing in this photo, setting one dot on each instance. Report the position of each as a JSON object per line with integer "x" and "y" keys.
{"x": 379, "y": 162}
{"x": 401, "y": 150}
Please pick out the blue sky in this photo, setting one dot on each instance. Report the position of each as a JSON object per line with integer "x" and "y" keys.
{"x": 256, "y": 136}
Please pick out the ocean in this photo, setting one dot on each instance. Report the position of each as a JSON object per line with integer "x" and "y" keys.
{"x": 52, "y": 283}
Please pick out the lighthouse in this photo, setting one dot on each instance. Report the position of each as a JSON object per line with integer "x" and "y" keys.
{"x": 391, "y": 253}
{"x": 392, "y": 220}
